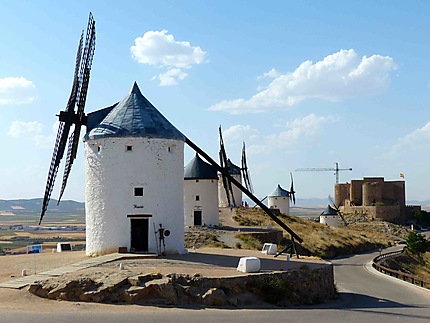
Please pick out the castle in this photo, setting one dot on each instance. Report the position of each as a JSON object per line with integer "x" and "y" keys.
{"x": 374, "y": 197}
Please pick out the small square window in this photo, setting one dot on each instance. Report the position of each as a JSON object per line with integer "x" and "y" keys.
{"x": 197, "y": 197}
{"x": 128, "y": 148}
{"x": 138, "y": 191}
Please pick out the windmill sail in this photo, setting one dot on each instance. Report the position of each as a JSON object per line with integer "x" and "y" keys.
{"x": 68, "y": 117}
{"x": 292, "y": 191}
{"x": 225, "y": 163}
{"x": 84, "y": 77}
{"x": 245, "y": 171}
{"x": 336, "y": 207}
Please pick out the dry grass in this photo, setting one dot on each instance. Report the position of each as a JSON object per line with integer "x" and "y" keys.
{"x": 318, "y": 239}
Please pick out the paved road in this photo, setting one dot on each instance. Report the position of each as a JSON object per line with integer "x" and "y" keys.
{"x": 365, "y": 297}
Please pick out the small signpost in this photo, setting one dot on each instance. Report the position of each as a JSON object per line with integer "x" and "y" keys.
{"x": 34, "y": 249}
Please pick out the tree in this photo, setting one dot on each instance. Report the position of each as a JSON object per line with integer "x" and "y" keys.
{"x": 416, "y": 243}
{"x": 423, "y": 217}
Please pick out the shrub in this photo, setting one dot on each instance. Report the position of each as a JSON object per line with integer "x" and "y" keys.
{"x": 273, "y": 289}
{"x": 416, "y": 243}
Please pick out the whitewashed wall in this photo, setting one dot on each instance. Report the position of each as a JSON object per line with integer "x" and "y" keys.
{"x": 207, "y": 190}
{"x": 330, "y": 220}
{"x": 279, "y": 202}
{"x": 222, "y": 197}
{"x": 112, "y": 173}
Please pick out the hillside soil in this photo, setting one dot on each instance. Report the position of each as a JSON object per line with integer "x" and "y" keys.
{"x": 319, "y": 240}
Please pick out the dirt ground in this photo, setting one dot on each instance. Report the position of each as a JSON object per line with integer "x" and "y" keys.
{"x": 210, "y": 262}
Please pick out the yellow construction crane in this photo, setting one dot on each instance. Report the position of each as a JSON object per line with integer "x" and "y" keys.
{"x": 336, "y": 170}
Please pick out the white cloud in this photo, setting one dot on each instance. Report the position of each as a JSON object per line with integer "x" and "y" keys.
{"x": 337, "y": 77}
{"x": 239, "y": 133}
{"x": 171, "y": 77}
{"x": 292, "y": 134}
{"x": 299, "y": 130}
{"x": 16, "y": 90}
{"x": 160, "y": 49}
{"x": 21, "y": 128}
{"x": 418, "y": 139}
{"x": 273, "y": 73}
{"x": 33, "y": 131}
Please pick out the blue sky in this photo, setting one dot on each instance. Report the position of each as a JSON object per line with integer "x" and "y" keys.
{"x": 304, "y": 83}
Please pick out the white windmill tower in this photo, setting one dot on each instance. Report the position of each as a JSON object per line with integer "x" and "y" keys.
{"x": 279, "y": 199}
{"x": 200, "y": 193}
{"x": 134, "y": 161}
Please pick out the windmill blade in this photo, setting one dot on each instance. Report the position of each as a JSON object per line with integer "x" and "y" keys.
{"x": 68, "y": 117}
{"x": 292, "y": 191}
{"x": 225, "y": 164}
{"x": 87, "y": 59}
{"x": 245, "y": 171}
{"x": 53, "y": 170}
{"x": 330, "y": 198}
{"x": 67, "y": 167}
{"x": 84, "y": 77}
{"x": 224, "y": 180}
{"x": 70, "y": 107}
{"x": 337, "y": 210}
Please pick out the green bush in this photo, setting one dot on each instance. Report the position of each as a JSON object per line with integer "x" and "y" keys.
{"x": 416, "y": 243}
{"x": 273, "y": 289}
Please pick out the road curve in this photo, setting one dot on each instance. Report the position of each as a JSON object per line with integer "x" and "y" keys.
{"x": 365, "y": 296}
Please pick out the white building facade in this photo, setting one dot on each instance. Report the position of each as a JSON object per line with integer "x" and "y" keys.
{"x": 134, "y": 179}
{"x": 200, "y": 194}
{"x": 329, "y": 217}
{"x": 279, "y": 199}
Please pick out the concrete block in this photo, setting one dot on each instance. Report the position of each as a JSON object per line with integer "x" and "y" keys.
{"x": 64, "y": 246}
{"x": 249, "y": 265}
{"x": 270, "y": 249}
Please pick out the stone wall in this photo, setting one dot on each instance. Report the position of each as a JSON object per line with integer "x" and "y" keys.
{"x": 282, "y": 288}
{"x": 385, "y": 213}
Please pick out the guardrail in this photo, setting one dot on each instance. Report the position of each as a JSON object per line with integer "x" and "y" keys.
{"x": 398, "y": 274}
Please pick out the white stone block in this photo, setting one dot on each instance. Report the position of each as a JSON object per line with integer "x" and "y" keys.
{"x": 249, "y": 265}
{"x": 270, "y": 249}
{"x": 64, "y": 246}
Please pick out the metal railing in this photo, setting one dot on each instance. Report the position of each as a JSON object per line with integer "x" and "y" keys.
{"x": 396, "y": 273}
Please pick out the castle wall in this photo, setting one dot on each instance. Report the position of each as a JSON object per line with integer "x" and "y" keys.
{"x": 356, "y": 192}
{"x": 341, "y": 193}
{"x": 372, "y": 193}
{"x": 384, "y": 213}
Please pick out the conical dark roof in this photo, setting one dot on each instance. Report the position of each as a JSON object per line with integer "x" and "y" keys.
{"x": 279, "y": 191}
{"x": 199, "y": 169}
{"x": 329, "y": 211}
{"x": 232, "y": 168}
{"x": 134, "y": 116}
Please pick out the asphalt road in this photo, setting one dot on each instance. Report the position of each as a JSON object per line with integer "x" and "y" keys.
{"x": 365, "y": 296}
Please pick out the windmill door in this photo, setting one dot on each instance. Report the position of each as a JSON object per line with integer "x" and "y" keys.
{"x": 197, "y": 217}
{"x": 139, "y": 235}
